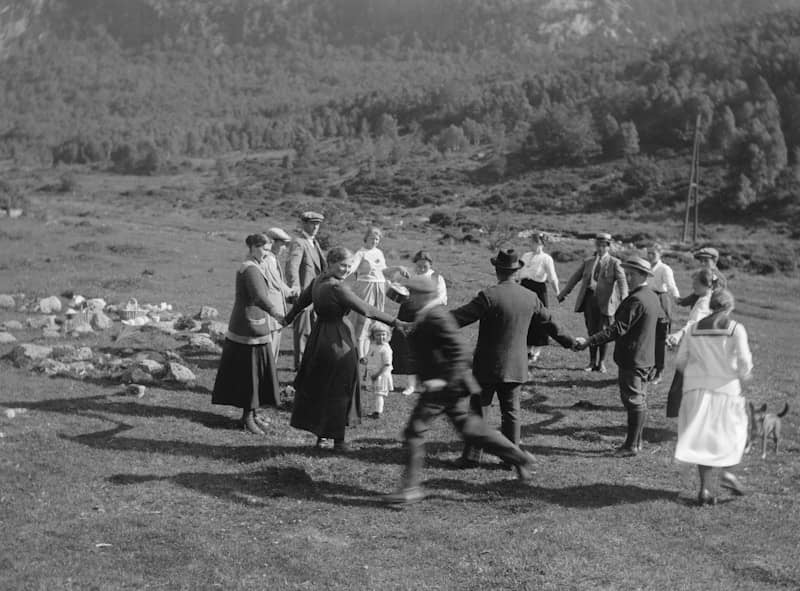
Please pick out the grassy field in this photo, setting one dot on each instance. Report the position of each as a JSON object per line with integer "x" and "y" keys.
{"x": 99, "y": 490}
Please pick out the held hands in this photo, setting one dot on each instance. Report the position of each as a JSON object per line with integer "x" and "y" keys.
{"x": 673, "y": 339}
{"x": 580, "y": 344}
{"x": 434, "y": 385}
{"x": 404, "y": 327}
{"x": 560, "y": 298}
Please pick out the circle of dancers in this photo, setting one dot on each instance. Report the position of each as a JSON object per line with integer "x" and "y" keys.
{"x": 346, "y": 344}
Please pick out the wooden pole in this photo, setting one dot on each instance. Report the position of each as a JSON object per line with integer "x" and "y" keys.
{"x": 691, "y": 194}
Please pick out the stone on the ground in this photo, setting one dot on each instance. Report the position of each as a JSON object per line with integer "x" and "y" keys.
{"x": 185, "y": 323}
{"x": 27, "y": 353}
{"x": 69, "y": 353}
{"x": 137, "y": 375}
{"x": 207, "y": 313}
{"x": 51, "y": 305}
{"x": 51, "y": 367}
{"x": 51, "y": 333}
{"x": 12, "y": 325}
{"x": 80, "y": 329}
{"x": 42, "y": 322}
{"x": 152, "y": 367}
{"x": 7, "y": 301}
{"x": 99, "y": 321}
{"x": 96, "y": 304}
{"x": 201, "y": 343}
{"x": 216, "y": 330}
{"x": 6, "y": 338}
{"x": 136, "y": 390}
{"x": 180, "y": 373}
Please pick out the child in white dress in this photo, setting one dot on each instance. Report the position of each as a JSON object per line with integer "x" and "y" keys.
{"x": 379, "y": 366}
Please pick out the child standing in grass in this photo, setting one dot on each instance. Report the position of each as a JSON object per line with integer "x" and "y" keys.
{"x": 379, "y": 366}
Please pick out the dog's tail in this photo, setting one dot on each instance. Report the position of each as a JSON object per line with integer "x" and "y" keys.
{"x": 785, "y": 409}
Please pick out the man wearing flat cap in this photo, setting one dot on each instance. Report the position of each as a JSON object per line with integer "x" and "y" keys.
{"x": 634, "y": 330}
{"x": 306, "y": 261}
{"x": 447, "y": 383}
{"x": 278, "y": 291}
{"x": 505, "y": 312}
{"x": 708, "y": 257}
{"x": 602, "y": 288}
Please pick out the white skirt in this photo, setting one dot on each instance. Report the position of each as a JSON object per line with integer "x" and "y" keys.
{"x": 712, "y": 428}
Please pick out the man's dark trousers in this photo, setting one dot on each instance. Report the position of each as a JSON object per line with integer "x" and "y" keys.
{"x": 508, "y": 397}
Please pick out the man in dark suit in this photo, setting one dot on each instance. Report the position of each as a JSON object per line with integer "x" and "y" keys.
{"x": 602, "y": 288}
{"x": 500, "y": 362}
{"x": 634, "y": 330}
{"x": 306, "y": 260}
{"x": 446, "y": 381}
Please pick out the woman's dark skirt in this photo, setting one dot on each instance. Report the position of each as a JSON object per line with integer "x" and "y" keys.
{"x": 403, "y": 362}
{"x": 246, "y": 377}
{"x": 536, "y": 337}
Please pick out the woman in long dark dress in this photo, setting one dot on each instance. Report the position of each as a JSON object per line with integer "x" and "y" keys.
{"x": 327, "y": 386}
{"x": 246, "y": 377}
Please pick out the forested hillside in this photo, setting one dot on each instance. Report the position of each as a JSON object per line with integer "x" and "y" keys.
{"x": 142, "y": 83}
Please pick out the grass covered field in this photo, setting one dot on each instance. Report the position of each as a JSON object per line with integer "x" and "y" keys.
{"x": 99, "y": 490}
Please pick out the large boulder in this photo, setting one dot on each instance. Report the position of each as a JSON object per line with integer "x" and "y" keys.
{"x": 51, "y": 333}
{"x": 216, "y": 330}
{"x": 51, "y": 305}
{"x": 180, "y": 373}
{"x": 27, "y": 353}
{"x": 152, "y": 367}
{"x": 137, "y": 375}
{"x": 7, "y": 301}
{"x": 12, "y": 325}
{"x": 6, "y": 338}
{"x": 80, "y": 329}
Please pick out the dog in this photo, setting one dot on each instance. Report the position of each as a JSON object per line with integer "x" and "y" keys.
{"x": 766, "y": 425}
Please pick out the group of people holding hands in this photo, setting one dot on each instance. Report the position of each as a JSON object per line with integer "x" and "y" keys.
{"x": 343, "y": 338}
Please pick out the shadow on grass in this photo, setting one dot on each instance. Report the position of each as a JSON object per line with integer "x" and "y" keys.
{"x": 584, "y": 383}
{"x": 584, "y": 496}
{"x": 256, "y": 488}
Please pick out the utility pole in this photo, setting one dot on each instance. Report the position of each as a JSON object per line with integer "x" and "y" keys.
{"x": 692, "y": 197}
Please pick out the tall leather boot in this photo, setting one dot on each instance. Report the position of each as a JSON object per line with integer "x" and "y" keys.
{"x": 627, "y": 448}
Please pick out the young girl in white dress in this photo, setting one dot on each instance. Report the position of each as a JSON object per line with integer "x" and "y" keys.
{"x": 379, "y": 366}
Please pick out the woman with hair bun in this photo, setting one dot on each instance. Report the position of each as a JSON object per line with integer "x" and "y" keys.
{"x": 539, "y": 270}
{"x": 328, "y": 385}
{"x": 712, "y": 425}
{"x": 246, "y": 377}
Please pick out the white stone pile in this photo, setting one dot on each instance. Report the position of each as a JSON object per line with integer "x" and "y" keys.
{"x": 200, "y": 334}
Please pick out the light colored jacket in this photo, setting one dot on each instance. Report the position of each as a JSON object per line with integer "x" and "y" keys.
{"x": 306, "y": 261}
{"x": 612, "y": 287}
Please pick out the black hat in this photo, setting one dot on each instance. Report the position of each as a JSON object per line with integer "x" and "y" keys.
{"x": 507, "y": 260}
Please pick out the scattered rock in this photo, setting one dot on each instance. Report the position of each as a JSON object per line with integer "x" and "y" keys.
{"x": 100, "y": 321}
{"x": 51, "y": 333}
{"x": 201, "y": 343}
{"x": 10, "y": 413}
{"x": 136, "y": 390}
{"x": 180, "y": 373}
{"x": 152, "y": 367}
{"x": 6, "y": 338}
{"x": 96, "y": 304}
{"x": 27, "y": 353}
{"x": 216, "y": 330}
{"x": 7, "y": 301}
{"x": 80, "y": 329}
{"x": 207, "y": 313}
{"x": 51, "y": 305}
{"x": 68, "y": 353}
{"x": 42, "y": 322}
{"x": 187, "y": 324}
{"x": 12, "y": 325}
{"x": 137, "y": 375}
{"x": 52, "y": 367}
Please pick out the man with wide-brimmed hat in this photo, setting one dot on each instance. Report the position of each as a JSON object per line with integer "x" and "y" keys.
{"x": 504, "y": 311}
{"x": 306, "y": 261}
{"x": 446, "y": 383}
{"x": 602, "y": 288}
{"x": 634, "y": 330}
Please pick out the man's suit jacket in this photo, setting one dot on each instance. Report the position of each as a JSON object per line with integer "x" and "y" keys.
{"x": 277, "y": 290}
{"x": 305, "y": 262}
{"x": 441, "y": 352}
{"x": 505, "y": 311}
{"x": 612, "y": 287}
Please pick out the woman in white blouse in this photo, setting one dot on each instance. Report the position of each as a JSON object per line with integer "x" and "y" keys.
{"x": 369, "y": 267}
{"x": 539, "y": 270}
{"x": 712, "y": 426}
